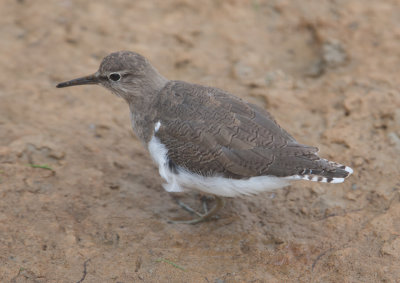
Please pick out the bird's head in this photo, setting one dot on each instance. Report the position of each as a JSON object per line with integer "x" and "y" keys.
{"x": 127, "y": 74}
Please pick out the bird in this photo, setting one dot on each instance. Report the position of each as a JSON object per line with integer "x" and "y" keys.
{"x": 206, "y": 139}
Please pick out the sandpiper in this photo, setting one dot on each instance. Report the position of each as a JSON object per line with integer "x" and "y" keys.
{"x": 206, "y": 139}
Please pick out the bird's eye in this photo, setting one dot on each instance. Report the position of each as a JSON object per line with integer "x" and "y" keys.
{"x": 115, "y": 77}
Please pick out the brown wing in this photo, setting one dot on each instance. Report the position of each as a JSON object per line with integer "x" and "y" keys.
{"x": 209, "y": 131}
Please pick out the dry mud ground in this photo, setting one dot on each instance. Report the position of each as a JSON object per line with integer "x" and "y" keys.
{"x": 327, "y": 70}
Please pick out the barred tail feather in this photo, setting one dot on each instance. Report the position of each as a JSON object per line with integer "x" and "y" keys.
{"x": 334, "y": 173}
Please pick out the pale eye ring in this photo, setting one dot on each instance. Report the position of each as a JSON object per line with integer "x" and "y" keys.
{"x": 114, "y": 77}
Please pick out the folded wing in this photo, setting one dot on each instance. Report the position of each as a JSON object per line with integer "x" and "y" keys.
{"x": 211, "y": 132}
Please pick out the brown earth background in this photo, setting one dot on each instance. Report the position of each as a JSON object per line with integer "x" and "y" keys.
{"x": 327, "y": 70}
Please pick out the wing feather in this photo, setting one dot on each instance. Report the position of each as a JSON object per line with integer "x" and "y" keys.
{"x": 209, "y": 131}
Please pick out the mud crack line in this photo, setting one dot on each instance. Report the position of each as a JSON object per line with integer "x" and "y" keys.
{"x": 319, "y": 257}
{"x": 84, "y": 271}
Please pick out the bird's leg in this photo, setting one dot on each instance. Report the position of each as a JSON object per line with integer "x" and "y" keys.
{"x": 204, "y": 201}
{"x": 219, "y": 203}
{"x": 188, "y": 208}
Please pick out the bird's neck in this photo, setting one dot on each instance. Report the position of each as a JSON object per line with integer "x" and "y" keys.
{"x": 143, "y": 107}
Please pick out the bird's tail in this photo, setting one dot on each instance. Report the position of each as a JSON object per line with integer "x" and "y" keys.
{"x": 329, "y": 172}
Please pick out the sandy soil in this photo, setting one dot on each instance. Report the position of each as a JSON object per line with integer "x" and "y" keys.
{"x": 327, "y": 70}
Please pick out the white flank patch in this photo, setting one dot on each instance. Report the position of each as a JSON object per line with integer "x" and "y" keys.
{"x": 212, "y": 185}
{"x": 157, "y": 126}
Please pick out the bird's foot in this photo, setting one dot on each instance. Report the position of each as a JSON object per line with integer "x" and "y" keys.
{"x": 219, "y": 203}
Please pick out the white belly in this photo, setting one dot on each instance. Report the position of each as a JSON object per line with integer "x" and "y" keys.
{"x": 220, "y": 186}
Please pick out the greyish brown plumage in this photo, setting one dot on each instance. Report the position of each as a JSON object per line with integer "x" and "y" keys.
{"x": 205, "y": 138}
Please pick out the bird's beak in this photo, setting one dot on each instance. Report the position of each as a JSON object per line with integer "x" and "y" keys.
{"x": 88, "y": 80}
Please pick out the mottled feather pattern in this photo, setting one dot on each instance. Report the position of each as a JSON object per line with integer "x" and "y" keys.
{"x": 210, "y": 132}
